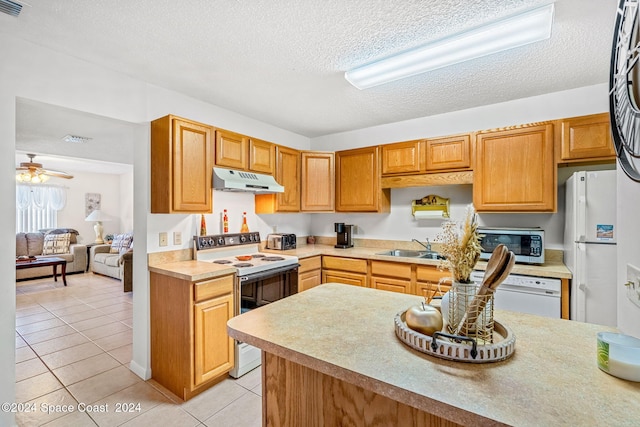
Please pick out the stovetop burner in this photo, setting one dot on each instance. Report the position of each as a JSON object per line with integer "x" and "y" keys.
{"x": 245, "y": 258}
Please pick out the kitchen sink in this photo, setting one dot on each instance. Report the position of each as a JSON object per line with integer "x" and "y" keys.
{"x": 411, "y": 254}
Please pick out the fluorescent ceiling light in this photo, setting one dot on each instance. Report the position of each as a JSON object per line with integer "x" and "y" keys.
{"x": 518, "y": 30}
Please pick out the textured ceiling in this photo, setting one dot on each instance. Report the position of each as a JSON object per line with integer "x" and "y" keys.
{"x": 282, "y": 61}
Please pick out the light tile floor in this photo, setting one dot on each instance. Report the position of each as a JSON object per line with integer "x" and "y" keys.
{"x": 73, "y": 348}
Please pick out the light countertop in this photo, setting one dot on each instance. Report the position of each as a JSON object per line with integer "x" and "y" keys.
{"x": 553, "y": 267}
{"x": 348, "y": 332}
{"x": 193, "y": 271}
{"x": 179, "y": 264}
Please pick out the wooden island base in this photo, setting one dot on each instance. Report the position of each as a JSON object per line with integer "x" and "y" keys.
{"x": 295, "y": 395}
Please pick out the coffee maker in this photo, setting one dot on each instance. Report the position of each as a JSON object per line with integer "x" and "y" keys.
{"x": 343, "y": 235}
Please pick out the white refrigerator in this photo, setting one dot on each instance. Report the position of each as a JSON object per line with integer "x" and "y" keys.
{"x": 590, "y": 246}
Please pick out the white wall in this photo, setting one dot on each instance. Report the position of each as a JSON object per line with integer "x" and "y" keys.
{"x": 113, "y": 190}
{"x": 628, "y": 250}
{"x": 575, "y": 102}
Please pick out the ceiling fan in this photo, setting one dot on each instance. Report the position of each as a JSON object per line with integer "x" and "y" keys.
{"x": 32, "y": 172}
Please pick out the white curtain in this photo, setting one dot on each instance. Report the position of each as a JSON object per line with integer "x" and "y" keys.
{"x": 57, "y": 198}
{"x": 37, "y": 206}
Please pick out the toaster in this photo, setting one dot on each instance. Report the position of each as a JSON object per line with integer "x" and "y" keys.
{"x": 281, "y": 241}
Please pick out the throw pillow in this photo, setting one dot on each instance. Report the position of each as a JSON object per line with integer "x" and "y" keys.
{"x": 56, "y": 244}
{"x": 71, "y": 231}
{"x": 121, "y": 243}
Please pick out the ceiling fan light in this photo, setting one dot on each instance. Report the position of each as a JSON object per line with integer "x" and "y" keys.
{"x": 515, "y": 31}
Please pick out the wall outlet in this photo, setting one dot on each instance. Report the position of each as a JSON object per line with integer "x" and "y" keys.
{"x": 164, "y": 241}
{"x": 633, "y": 284}
{"x": 177, "y": 238}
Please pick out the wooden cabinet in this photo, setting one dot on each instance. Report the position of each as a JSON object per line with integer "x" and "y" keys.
{"x": 391, "y": 276}
{"x": 261, "y": 156}
{"x": 428, "y": 281}
{"x": 350, "y": 271}
{"x": 212, "y": 346}
{"x": 181, "y": 166}
{"x": 235, "y": 151}
{"x": 309, "y": 273}
{"x": 586, "y": 138}
{"x": 318, "y": 182}
{"x": 190, "y": 348}
{"x": 358, "y": 187}
{"x": 231, "y": 149}
{"x": 287, "y": 175}
{"x": 515, "y": 170}
{"x": 427, "y": 156}
{"x": 403, "y": 158}
{"x": 452, "y": 152}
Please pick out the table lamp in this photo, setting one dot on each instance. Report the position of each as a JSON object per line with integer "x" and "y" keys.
{"x": 98, "y": 216}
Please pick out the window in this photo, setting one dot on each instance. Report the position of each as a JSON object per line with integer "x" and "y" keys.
{"x": 37, "y": 206}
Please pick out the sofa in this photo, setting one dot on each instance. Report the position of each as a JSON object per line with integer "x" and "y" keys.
{"x": 114, "y": 260}
{"x": 58, "y": 243}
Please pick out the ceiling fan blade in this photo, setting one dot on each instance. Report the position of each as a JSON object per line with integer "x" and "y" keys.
{"x": 58, "y": 174}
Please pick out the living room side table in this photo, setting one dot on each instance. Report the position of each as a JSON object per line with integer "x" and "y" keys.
{"x": 89, "y": 245}
{"x": 45, "y": 262}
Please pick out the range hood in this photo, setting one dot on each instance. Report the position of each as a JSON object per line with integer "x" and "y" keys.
{"x": 234, "y": 180}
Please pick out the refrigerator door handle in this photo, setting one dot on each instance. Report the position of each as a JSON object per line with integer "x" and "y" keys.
{"x": 581, "y": 288}
{"x": 581, "y": 219}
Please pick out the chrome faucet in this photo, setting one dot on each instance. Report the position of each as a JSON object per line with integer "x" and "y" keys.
{"x": 427, "y": 246}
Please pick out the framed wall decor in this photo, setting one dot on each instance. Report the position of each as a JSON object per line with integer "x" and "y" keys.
{"x": 91, "y": 203}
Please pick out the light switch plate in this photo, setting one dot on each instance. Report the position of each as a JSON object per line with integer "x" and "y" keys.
{"x": 177, "y": 238}
{"x": 633, "y": 284}
{"x": 163, "y": 239}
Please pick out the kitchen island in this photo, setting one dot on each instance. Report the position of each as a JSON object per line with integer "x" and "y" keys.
{"x": 331, "y": 357}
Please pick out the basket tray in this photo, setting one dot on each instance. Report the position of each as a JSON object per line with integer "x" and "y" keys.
{"x": 503, "y": 347}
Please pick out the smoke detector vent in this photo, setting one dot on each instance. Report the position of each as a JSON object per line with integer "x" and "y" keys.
{"x": 10, "y": 8}
{"x": 75, "y": 138}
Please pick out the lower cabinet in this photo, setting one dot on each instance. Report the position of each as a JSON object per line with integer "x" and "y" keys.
{"x": 309, "y": 273}
{"x": 190, "y": 348}
{"x": 403, "y": 277}
{"x": 428, "y": 281}
{"x": 350, "y": 271}
{"x": 391, "y": 276}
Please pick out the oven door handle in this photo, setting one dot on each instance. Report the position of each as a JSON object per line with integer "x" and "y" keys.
{"x": 268, "y": 273}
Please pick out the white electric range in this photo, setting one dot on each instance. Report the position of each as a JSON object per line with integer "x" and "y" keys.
{"x": 261, "y": 278}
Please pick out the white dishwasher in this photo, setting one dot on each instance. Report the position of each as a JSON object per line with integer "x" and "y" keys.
{"x": 526, "y": 294}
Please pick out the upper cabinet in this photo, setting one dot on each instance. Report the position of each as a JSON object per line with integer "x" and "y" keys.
{"x": 358, "y": 187}
{"x": 236, "y": 151}
{"x": 515, "y": 170}
{"x": 318, "y": 181}
{"x": 452, "y": 152}
{"x": 586, "y": 138}
{"x": 403, "y": 158}
{"x": 182, "y": 160}
{"x": 287, "y": 175}
{"x": 261, "y": 156}
{"x": 231, "y": 149}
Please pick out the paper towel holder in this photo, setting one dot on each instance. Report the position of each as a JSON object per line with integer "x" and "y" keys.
{"x": 430, "y": 207}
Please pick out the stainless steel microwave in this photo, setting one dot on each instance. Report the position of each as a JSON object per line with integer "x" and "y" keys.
{"x": 526, "y": 243}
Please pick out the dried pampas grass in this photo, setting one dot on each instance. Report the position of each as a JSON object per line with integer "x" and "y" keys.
{"x": 460, "y": 244}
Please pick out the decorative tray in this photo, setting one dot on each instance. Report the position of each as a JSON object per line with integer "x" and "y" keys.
{"x": 26, "y": 259}
{"x": 461, "y": 349}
